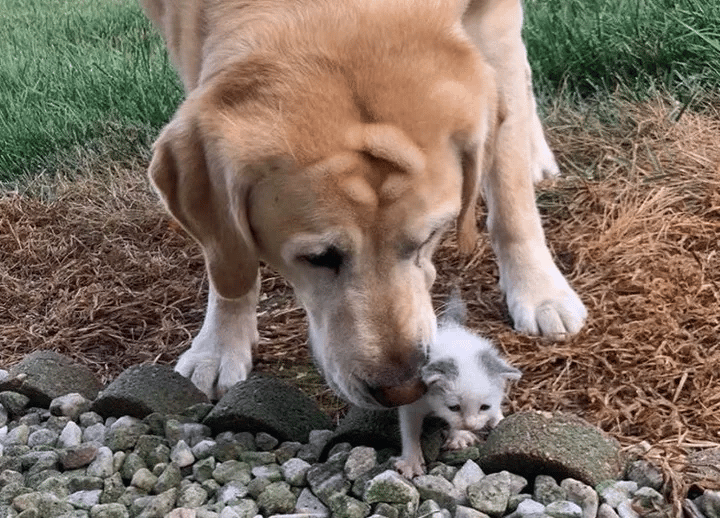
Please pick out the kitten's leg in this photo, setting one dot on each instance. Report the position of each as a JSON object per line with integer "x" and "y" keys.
{"x": 460, "y": 439}
{"x": 411, "y": 461}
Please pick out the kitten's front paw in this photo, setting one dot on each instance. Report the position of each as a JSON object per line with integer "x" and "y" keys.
{"x": 460, "y": 439}
{"x": 410, "y": 468}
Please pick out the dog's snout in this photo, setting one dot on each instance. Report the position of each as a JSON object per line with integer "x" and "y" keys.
{"x": 399, "y": 383}
{"x": 398, "y": 395}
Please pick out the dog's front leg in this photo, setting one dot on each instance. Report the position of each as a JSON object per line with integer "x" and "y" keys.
{"x": 221, "y": 353}
{"x": 539, "y": 298}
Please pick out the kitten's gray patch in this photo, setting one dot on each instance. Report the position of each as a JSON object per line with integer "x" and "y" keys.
{"x": 447, "y": 368}
{"x": 495, "y": 366}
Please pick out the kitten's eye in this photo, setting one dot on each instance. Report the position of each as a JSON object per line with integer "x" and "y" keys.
{"x": 484, "y": 407}
{"x": 454, "y": 408}
{"x": 332, "y": 259}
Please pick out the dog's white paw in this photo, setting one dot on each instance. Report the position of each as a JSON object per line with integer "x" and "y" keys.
{"x": 460, "y": 439}
{"x": 214, "y": 369}
{"x": 543, "y": 303}
{"x": 544, "y": 166}
{"x": 410, "y": 467}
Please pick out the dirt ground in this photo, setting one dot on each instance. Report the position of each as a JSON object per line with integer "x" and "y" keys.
{"x": 94, "y": 269}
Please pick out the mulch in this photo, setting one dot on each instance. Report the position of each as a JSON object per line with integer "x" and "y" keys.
{"x": 93, "y": 268}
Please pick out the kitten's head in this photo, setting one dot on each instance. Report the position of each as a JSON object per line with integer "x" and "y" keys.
{"x": 466, "y": 378}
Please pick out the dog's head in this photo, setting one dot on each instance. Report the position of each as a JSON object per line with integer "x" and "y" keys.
{"x": 345, "y": 187}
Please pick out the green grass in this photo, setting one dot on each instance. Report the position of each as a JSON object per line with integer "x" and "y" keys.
{"x": 588, "y": 48}
{"x": 83, "y": 78}
{"x": 78, "y": 72}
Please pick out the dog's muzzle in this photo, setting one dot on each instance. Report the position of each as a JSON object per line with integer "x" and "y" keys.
{"x": 398, "y": 395}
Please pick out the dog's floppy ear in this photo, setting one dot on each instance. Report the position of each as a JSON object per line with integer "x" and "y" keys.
{"x": 210, "y": 203}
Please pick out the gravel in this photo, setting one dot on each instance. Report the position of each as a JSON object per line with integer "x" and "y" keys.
{"x": 72, "y": 463}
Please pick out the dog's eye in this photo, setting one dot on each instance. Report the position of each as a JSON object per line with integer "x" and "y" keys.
{"x": 332, "y": 259}
{"x": 454, "y": 408}
{"x": 484, "y": 407}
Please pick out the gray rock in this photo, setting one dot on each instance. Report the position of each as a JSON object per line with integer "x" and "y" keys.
{"x": 182, "y": 455}
{"x": 468, "y": 512}
{"x": 276, "y": 499}
{"x": 344, "y": 506}
{"x": 431, "y": 509}
{"x": 55, "y": 485}
{"x": 295, "y": 471}
{"x": 203, "y": 469}
{"x": 232, "y": 492}
{"x": 113, "y": 510}
{"x": 444, "y": 471}
{"x": 360, "y": 460}
{"x": 70, "y": 436}
{"x": 529, "y": 507}
{"x": 709, "y": 503}
{"x": 310, "y": 504}
{"x": 265, "y": 442}
{"x": 547, "y": 490}
{"x": 85, "y": 499}
{"x": 244, "y": 509}
{"x": 78, "y": 482}
{"x": 648, "y": 500}
{"x": 438, "y": 489}
{"x": 123, "y": 434}
{"x": 560, "y": 445}
{"x": 17, "y": 436}
{"x": 645, "y": 474}
{"x": 583, "y": 495}
{"x": 232, "y": 470}
{"x": 113, "y": 489}
{"x": 266, "y": 404}
{"x": 95, "y": 433}
{"x": 143, "y": 389}
{"x": 160, "y": 505}
{"x": 169, "y": 478}
{"x": 490, "y": 495}
{"x": 192, "y": 496}
{"x": 70, "y": 405}
{"x": 287, "y": 450}
{"x": 42, "y": 437}
{"x": 102, "y": 465}
{"x": 390, "y": 487}
{"x": 469, "y": 473}
{"x": 272, "y": 472}
{"x": 143, "y": 479}
{"x": 563, "y": 509}
{"x": 327, "y": 479}
{"x": 626, "y": 510}
{"x": 615, "y": 492}
{"x": 46, "y": 504}
{"x": 45, "y": 375}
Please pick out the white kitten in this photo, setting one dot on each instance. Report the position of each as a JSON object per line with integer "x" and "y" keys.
{"x": 466, "y": 377}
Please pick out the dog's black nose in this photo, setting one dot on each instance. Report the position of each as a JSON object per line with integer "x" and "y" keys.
{"x": 398, "y": 395}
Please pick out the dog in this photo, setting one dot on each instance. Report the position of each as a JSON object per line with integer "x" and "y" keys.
{"x": 337, "y": 140}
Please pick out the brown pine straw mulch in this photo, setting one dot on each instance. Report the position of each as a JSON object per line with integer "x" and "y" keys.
{"x": 94, "y": 269}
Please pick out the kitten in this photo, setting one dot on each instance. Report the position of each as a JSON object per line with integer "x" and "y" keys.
{"x": 466, "y": 377}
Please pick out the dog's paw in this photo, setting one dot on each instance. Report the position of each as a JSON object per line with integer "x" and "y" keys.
{"x": 544, "y": 166}
{"x": 409, "y": 467}
{"x": 541, "y": 302}
{"x": 460, "y": 439}
{"x": 213, "y": 369}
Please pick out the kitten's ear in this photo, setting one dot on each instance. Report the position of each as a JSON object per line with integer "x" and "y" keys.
{"x": 455, "y": 310}
{"x": 491, "y": 361}
{"x": 439, "y": 373}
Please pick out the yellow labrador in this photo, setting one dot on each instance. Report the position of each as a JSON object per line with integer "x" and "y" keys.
{"x": 337, "y": 140}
